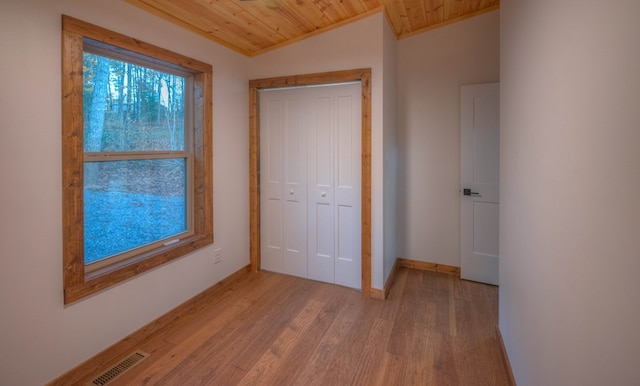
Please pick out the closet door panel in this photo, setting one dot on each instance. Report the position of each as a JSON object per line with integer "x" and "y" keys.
{"x": 347, "y": 191}
{"x": 321, "y": 260}
{"x": 295, "y": 183}
{"x": 271, "y": 249}
{"x": 321, "y": 189}
{"x": 283, "y": 181}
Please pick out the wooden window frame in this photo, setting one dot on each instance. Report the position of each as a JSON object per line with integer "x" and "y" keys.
{"x": 362, "y": 75}
{"x": 78, "y": 281}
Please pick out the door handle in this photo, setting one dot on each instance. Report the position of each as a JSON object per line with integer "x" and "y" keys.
{"x": 468, "y": 192}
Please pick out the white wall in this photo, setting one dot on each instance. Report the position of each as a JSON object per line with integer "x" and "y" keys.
{"x": 390, "y": 148}
{"x": 431, "y": 68}
{"x": 356, "y": 45}
{"x": 40, "y": 338}
{"x": 570, "y": 174}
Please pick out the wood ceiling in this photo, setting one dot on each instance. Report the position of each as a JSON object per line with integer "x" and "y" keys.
{"x": 253, "y": 27}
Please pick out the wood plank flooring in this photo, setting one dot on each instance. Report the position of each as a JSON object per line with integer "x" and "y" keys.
{"x": 271, "y": 329}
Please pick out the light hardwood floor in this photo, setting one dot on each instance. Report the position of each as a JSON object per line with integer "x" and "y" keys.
{"x": 271, "y": 329}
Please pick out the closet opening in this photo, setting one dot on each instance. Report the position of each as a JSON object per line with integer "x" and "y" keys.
{"x": 303, "y": 192}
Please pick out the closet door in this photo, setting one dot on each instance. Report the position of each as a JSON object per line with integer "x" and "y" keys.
{"x": 310, "y": 177}
{"x": 334, "y": 176}
{"x": 283, "y": 181}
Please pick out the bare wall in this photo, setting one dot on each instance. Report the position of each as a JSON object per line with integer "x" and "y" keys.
{"x": 570, "y": 174}
{"x": 390, "y": 148}
{"x": 40, "y": 338}
{"x": 431, "y": 68}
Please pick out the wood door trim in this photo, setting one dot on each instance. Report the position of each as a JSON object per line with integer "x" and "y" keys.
{"x": 364, "y": 76}
{"x": 383, "y": 294}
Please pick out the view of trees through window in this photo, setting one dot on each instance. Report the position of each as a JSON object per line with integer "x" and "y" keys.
{"x": 136, "y": 164}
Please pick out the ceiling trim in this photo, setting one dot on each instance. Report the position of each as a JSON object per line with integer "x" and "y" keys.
{"x": 399, "y": 16}
{"x": 449, "y": 21}
{"x": 175, "y": 20}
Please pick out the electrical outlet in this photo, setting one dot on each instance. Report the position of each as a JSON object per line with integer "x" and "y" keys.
{"x": 217, "y": 254}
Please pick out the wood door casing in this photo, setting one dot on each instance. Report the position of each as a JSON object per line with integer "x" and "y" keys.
{"x": 362, "y": 75}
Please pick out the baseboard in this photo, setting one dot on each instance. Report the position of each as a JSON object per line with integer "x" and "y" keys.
{"x": 383, "y": 294}
{"x": 377, "y": 293}
{"x": 426, "y": 266}
{"x": 104, "y": 359}
{"x": 505, "y": 358}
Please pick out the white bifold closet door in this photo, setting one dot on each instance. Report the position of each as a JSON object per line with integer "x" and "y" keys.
{"x": 310, "y": 182}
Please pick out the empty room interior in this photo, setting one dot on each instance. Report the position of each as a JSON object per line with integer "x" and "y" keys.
{"x": 363, "y": 192}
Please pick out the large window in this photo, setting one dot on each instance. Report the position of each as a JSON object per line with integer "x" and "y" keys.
{"x": 136, "y": 157}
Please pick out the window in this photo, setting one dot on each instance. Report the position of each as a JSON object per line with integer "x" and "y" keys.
{"x": 137, "y": 162}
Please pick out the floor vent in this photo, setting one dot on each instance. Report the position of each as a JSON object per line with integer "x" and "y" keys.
{"x": 118, "y": 369}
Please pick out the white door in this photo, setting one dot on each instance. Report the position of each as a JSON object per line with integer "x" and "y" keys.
{"x": 480, "y": 172}
{"x": 283, "y": 181}
{"x": 311, "y": 137}
{"x": 334, "y": 184}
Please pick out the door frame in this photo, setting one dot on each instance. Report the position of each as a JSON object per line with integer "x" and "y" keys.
{"x": 362, "y": 75}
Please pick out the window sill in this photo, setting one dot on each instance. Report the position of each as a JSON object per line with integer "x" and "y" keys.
{"x": 103, "y": 278}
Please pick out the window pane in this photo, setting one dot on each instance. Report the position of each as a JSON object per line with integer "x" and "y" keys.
{"x": 128, "y": 204}
{"x": 128, "y": 107}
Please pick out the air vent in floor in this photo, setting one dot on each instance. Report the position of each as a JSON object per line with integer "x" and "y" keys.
{"x": 118, "y": 369}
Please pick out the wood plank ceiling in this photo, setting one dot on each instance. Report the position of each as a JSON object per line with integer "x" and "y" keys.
{"x": 253, "y": 27}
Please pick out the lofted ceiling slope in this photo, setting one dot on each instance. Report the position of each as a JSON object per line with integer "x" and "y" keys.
{"x": 253, "y": 27}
